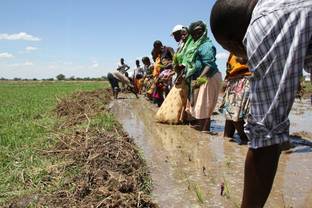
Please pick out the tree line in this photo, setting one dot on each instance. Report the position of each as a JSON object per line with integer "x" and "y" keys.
{"x": 60, "y": 77}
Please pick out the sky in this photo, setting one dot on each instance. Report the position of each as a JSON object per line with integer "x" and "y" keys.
{"x": 86, "y": 38}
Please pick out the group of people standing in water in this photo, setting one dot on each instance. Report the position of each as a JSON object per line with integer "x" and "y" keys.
{"x": 186, "y": 83}
{"x": 270, "y": 43}
{"x": 194, "y": 94}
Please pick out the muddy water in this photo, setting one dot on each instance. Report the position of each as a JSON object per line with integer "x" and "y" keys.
{"x": 188, "y": 167}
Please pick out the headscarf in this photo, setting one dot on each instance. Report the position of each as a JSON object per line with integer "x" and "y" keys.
{"x": 180, "y": 54}
{"x": 187, "y": 55}
{"x": 235, "y": 68}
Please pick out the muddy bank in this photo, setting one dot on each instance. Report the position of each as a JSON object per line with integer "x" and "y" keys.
{"x": 188, "y": 167}
{"x": 97, "y": 164}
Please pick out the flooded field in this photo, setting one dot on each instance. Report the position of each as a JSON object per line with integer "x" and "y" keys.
{"x": 188, "y": 167}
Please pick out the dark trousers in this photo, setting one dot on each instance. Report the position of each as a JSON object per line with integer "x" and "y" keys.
{"x": 113, "y": 82}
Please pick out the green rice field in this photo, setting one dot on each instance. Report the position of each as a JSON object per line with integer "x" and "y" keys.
{"x": 26, "y": 123}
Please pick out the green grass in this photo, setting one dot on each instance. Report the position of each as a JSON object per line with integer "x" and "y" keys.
{"x": 199, "y": 194}
{"x": 105, "y": 121}
{"x": 26, "y": 122}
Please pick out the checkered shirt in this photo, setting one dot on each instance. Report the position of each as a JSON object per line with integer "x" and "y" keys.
{"x": 279, "y": 45}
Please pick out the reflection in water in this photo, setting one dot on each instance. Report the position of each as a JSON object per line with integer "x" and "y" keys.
{"x": 188, "y": 167}
{"x": 217, "y": 127}
{"x": 300, "y": 149}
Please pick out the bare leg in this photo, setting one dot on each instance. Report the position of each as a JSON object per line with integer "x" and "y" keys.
{"x": 196, "y": 124}
{"x": 205, "y": 124}
{"x": 229, "y": 129}
{"x": 239, "y": 126}
{"x": 260, "y": 169}
{"x": 133, "y": 91}
{"x": 115, "y": 93}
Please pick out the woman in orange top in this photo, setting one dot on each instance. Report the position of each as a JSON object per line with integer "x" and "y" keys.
{"x": 235, "y": 105}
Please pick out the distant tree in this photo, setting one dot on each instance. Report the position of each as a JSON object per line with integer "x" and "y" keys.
{"x": 17, "y": 79}
{"x": 72, "y": 78}
{"x": 2, "y": 78}
{"x": 50, "y": 79}
{"x": 34, "y": 79}
{"x": 60, "y": 77}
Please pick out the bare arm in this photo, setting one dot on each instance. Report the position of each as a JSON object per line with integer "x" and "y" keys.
{"x": 205, "y": 71}
{"x": 127, "y": 68}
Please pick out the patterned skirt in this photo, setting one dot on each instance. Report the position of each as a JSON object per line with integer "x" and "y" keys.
{"x": 235, "y": 104}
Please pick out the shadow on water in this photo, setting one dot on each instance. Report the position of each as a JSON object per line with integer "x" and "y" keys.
{"x": 299, "y": 145}
{"x": 299, "y": 141}
{"x": 299, "y": 149}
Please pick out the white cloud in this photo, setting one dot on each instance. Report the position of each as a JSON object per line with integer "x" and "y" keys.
{"x": 68, "y": 63}
{"x": 18, "y": 36}
{"x": 30, "y": 48}
{"x": 95, "y": 64}
{"x": 222, "y": 55}
{"x": 5, "y": 55}
{"x": 26, "y": 63}
{"x": 51, "y": 66}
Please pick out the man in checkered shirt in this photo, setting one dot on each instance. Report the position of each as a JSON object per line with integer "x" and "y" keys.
{"x": 276, "y": 38}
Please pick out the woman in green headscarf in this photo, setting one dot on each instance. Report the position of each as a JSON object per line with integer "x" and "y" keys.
{"x": 203, "y": 74}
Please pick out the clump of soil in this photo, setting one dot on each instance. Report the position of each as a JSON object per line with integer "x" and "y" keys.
{"x": 102, "y": 168}
{"x": 82, "y": 104}
{"x": 111, "y": 172}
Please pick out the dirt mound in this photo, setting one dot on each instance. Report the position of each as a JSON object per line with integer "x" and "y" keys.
{"x": 101, "y": 167}
{"x": 82, "y": 104}
{"x": 111, "y": 172}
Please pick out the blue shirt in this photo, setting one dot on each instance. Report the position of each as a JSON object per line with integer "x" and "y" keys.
{"x": 205, "y": 56}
